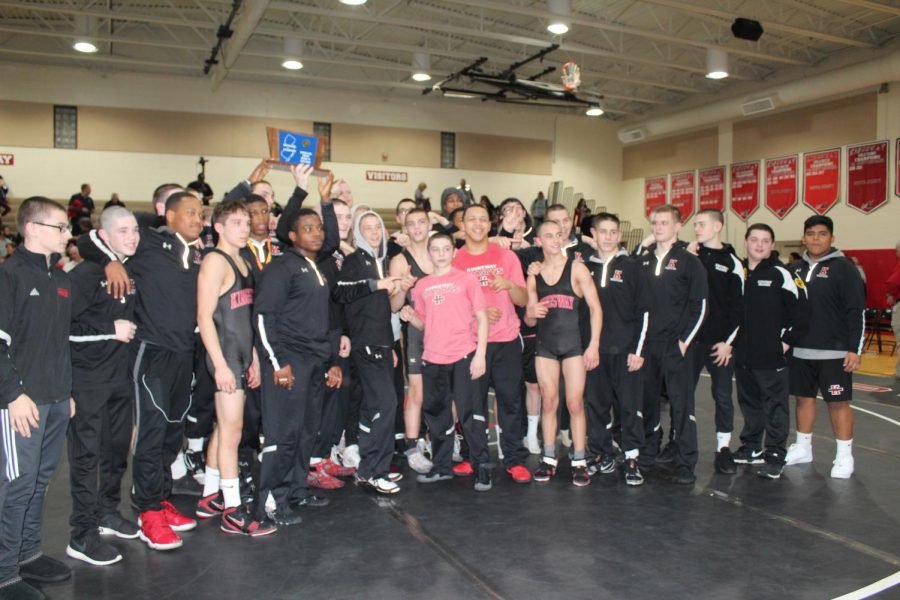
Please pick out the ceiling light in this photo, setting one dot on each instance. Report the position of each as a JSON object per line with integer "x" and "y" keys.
{"x": 85, "y": 46}
{"x": 292, "y": 65}
{"x": 421, "y": 64}
{"x": 421, "y": 77}
{"x": 84, "y": 34}
{"x": 353, "y": 2}
{"x": 716, "y": 63}
{"x": 293, "y": 50}
{"x": 594, "y": 111}
{"x": 561, "y": 10}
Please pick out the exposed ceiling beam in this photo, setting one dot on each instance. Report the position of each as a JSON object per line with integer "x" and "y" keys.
{"x": 876, "y": 6}
{"x": 251, "y": 14}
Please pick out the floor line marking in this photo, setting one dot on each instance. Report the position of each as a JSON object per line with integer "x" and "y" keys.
{"x": 872, "y": 589}
{"x": 875, "y": 414}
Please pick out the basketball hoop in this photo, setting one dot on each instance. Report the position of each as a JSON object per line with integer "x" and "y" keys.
{"x": 570, "y": 75}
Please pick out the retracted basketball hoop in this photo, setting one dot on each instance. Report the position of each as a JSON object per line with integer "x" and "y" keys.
{"x": 570, "y": 75}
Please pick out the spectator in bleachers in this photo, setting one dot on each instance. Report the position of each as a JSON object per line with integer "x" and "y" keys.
{"x": 539, "y": 208}
{"x": 421, "y": 200}
{"x": 113, "y": 201}
{"x": 72, "y": 258}
{"x": 4, "y": 239}
{"x": 4, "y": 202}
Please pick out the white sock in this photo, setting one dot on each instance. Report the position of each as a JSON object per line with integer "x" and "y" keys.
{"x": 844, "y": 447}
{"x": 178, "y": 468}
{"x": 195, "y": 444}
{"x": 211, "y": 483}
{"x": 629, "y": 454}
{"x": 231, "y": 492}
{"x": 723, "y": 440}
{"x": 533, "y": 421}
{"x": 804, "y": 439}
{"x": 314, "y": 462}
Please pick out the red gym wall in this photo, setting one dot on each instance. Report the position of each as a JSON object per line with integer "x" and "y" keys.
{"x": 878, "y": 265}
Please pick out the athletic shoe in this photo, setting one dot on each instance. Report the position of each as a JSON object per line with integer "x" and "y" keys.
{"x": 318, "y": 478}
{"x": 194, "y": 462}
{"x": 186, "y": 486}
{"x": 565, "y": 436}
{"x": 724, "y": 462}
{"x": 16, "y": 589}
{"x": 394, "y": 476}
{"x": 417, "y": 460}
{"x": 433, "y": 477}
{"x": 798, "y": 454}
{"x": 602, "y": 463}
{"x": 155, "y": 530}
{"x": 117, "y": 525}
{"x": 44, "y": 569}
{"x": 683, "y": 475}
{"x": 842, "y": 467}
{"x": 424, "y": 447}
{"x": 749, "y": 456}
{"x": 580, "y": 475}
{"x": 769, "y": 470}
{"x": 546, "y": 469}
{"x": 245, "y": 475}
{"x": 311, "y": 501}
{"x": 668, "y": 453}
{"x": 519, "y": 474}
{"x": 379, "y": 484}
{"x": 336, "y": 469}
{"x": 285, "y": 517}
{"x": 483, "y": 481}
{"x": 239, "y": 520}
{"x": 463, "y": 469}
{"x": 210, "y": 506}
{"x": 633, "y": 473}
{"x": 350, "y": 457}
{"x": 176, "y": 519}
{"x": 532, "y": 444}
{"x": 93, "y": 550}
{"x": 457, "y": 448}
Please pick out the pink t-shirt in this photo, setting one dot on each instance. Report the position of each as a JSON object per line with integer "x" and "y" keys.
{"x": 447, "y": 304}
{"x": 495, "y": 261}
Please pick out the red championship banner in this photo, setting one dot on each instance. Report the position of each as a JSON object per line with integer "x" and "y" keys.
{"x": 745, "y": 189}
{"x": 822, "y": 179}
{"x": 712, "y": 188}
{"x": 781, "y": 185}
{"x": 682, "y": 194}
{"x": 867, "y": 176}
{"x": 654, "y": 193}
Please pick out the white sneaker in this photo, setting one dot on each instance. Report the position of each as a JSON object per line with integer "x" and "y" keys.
{"x": 380, "y": 485}
{"x": 457, "y": 446}
{"x": 533, "y": 445}
{"x": 418, "y": 462}
{"x": 842, "y": 467}
{"x": 566, "y": 438}
{"x": 798, "y": 454}
{"x": 351, "y": 456}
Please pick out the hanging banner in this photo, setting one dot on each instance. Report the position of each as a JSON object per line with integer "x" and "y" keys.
{"x": 867, "y": 176}
{"x": 781, "y": 185}
{"x": 822, "y": 179}
{"x": 654, "y": 193}
{"x": 745, "y": 189}
{"x": 712, "y": 188}
{"x": 682, "y": 194}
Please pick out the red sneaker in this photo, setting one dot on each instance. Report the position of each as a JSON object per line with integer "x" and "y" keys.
{"x": 176, "y": 520}
{"x": 463, "y": 469}
{"x": 319, "y": 478}
{"x": 156, "y": 532}
{"x": 336, "y": 470}
{"x": 210, "y": 506}
{"x": 238, "y": 519}
{"x": 520, "y": 474}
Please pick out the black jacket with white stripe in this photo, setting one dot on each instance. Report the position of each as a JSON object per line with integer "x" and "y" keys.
{"x": 774, "y": 311}
{"x": 98, "y": 359}
{"x": 35, "y": 311}
{"x": 625, "y": 306}
{"x": 725, "y": 278}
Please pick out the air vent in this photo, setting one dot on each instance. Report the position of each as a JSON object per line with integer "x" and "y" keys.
{"x": 631, "y": 135}
{"x": 757, "y": 106}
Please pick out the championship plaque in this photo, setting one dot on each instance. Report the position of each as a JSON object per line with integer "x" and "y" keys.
{"x": 287, "y": 148}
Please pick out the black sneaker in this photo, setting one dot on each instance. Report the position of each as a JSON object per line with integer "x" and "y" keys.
{"x": 633, "y": 473}
{"x": 602, "y": 463}
{"x": 16, "y": 589}
{"x": 769, "y": 470}
{"x": 93, "y": 550}
{"x": 433, "y": 477}
{"x": 311, "y": 501}
{"x": 748, "y": 456}
{"x": 668, "y": 454}
{"x": 240, "y": 520}
{"x": 285, "y": 517}
{"x": 683, "y": 475}
{"x": 724, "y": 462}
{"x": 187, "y": 486}
{"x": 117, "y": 525}
{"x": 194, "y": 462}
{"x": 546, "y": 470}
{"x": 483, "y": 479}
{"x": 580, "y": 475}
{"x": 44, "y": 569}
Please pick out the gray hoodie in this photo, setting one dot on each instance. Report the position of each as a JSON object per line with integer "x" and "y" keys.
{"x": 362, "y": 244}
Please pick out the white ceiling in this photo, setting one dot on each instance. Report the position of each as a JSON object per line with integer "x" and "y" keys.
{"x": 645, "y": 56}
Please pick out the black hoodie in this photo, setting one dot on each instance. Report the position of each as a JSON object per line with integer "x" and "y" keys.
{"x": 626, "y": 316}
{"x": 677, "y": 288}
{"x": 725, "y": 278}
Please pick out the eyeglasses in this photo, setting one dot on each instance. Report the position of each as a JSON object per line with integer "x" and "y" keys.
{"x": 59, "y": 227}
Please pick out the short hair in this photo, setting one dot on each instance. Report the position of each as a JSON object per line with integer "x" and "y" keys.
{"x": 161, "y": 193}
{"x": 668, "y": 208}
{"x": 819, "y": 220}
{"x": 256, "y": 183}
{"x": 417, "y": 210}
{"x": 338, "y": 201}
{"x": 85, "y": 185}
{"x": 303, "y": 212}
{"x": 474, "y": 206}
{"x": 455, "y": 212}
{"x": 34, "y": 209}
{"x": 760, "y": 227}
{"x": 397, "y": 210}
{"x": 225, "y": 209}
{"x": 545, "y": 223}
{"x": 510, "y": 201}
{"x": 254, "y": 199}
{"x": 441, "y": 236}
{"x": 173, "y": 201}
{"x": 716, "y": 215}
{"x": 111, "y": 214}
{"x": 556, "y": 206}
{"x": 604, "y": 216}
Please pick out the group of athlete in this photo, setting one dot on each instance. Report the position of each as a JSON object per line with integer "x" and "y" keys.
{"x": 319, "y": 347}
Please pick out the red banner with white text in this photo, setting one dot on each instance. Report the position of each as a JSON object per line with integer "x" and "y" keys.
{"x": 683, "y": 192}
{"x": 655, "y": 193}
{"x": 867, "y": 176}
{"x": 822, "y": 179}
{"x": 781, "y": 185}
{"x": 745, "y": 189}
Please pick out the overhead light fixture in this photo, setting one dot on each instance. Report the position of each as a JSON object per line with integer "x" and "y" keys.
{"x": 84, "y": 29}
{"x": 594, "y": 111}
{"x": 353, "y": 2}
{"x": 562, "y": 10}
{"x": 421, "y": 64}
{"x": 293, "y": 50}
{"x": 716, "y": 63}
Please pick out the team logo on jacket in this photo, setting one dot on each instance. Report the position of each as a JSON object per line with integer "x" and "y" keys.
{"x": 63, "y": 292}
{"x": 764, "y": 283}
{"x": 616, "y": 276}
{"x": 798, "y": 281}
{"x": 673, "y": 264}
{"x": 722, "y": 268}
{"x": 835, "y": 390}
{"x": 823, "y": 272}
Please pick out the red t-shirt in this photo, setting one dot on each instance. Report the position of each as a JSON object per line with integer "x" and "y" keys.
{"x": 447, "y": 304}
{"x": 495, "y": 261}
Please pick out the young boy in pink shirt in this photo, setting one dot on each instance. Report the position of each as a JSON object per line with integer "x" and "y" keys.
{"x": 450, "y": 308}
